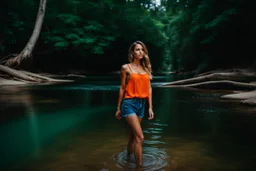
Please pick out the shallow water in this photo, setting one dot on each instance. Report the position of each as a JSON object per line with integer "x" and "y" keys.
{"x": 72, "y": 126}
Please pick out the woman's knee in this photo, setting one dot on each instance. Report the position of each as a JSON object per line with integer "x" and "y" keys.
{"x": 139, "y": 138}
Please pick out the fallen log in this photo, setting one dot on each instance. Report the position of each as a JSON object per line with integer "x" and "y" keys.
{"x": 15, "y": 73}
{"x": 45, "y": 78}
{"x": 250, "y": 101}
{"x": 214, "y": 76}
{"x": 244, "y": 97}
{"x": 224, "y": 80}
{"x": 247, "y": 71}
{"x": 240, "y": 96}
{"x": 4, "y": 81}
{"x": 217, "y": 85}
{"x": 27, "y": 77}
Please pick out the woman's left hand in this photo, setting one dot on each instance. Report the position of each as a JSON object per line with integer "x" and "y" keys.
{"x": 118, "y": 114}
{"x": 151, "y": 114}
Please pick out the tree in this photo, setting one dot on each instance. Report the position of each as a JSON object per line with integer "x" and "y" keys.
{"x": 27, "y": 51}
{"x": 24, "y": 76}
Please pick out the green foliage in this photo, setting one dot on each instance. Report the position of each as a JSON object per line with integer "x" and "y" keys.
{"x": 93, "y": 26}
{"x": 15, "y": 26}
{"x": 178, "y": 41}
{"x": 97, "y": 50}
{"x": 17, "y": 21}
{"x": 209, "y": 39}
{"x": 180, "y": 34}
{"x": 72, "y": 36}
{"x": 90, "y": 36}
{"x": 195, "y": 28}
{"x": 198, "y": 18}
{"x": 61, "y": 45}
{"x": 199, "y": 33}
{"x": 224, "y": 16}
{"x": 69, "y": 19}
{"x": 154, "y": 29}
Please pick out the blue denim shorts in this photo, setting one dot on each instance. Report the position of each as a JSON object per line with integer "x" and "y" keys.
{"x": 133, "y": 106}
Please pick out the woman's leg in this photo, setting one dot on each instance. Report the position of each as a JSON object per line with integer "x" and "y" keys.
{"x": 130, "y": 145}
{"x": 134, "y": 123}
{"x": 131, "y": 137}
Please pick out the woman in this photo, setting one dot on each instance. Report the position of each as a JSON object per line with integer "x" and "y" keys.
{"x": 135, "y": 90}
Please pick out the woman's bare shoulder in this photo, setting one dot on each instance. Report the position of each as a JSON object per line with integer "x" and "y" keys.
{"x": 125, "y": 67}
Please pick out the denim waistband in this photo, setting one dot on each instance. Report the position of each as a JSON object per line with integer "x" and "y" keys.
{"x": 136, "y": 99}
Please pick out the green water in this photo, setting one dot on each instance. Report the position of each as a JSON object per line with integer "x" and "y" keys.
{"x": 72, "y": 127}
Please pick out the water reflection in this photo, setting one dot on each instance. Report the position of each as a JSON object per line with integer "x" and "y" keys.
{"x": 153, "y": 159}
{"x": 64, "y": 127}
{"x": 34, "y": 131}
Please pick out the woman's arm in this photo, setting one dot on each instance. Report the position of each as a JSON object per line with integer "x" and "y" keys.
{"x": 150, "y": 97}
{"x": 121, "y": 91}
{"x": 150, "y": 107}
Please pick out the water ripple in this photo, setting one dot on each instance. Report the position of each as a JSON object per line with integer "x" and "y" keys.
{"x": 151, "y": 132}
{"x": 153, "y": 159}
{"x": 153, "y": 142}
{"x": 155, "y": 137}
{"x": 158, "y": 124}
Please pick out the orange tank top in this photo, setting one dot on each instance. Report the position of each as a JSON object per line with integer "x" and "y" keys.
{"x": 138, "y": 85}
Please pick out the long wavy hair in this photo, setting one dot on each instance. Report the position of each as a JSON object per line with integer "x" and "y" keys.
{"x": 145, "y": 61}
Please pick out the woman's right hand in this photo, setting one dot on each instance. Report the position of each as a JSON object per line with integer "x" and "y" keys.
{"x": 118, "y": 114}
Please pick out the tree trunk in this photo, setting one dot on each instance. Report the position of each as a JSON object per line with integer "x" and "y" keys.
{"x": 16, "y": 73}
{"x": 27, "y": 51}
{"x": 220, "y": 80}
{"x": 218, "y": 85}
{"x": 28, "y": 77}
{"x": 213, "y": 77}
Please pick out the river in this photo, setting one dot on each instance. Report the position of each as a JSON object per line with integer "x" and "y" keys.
{"x": 72, "y": 126}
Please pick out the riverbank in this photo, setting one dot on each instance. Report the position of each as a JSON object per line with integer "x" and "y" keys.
{"x": 241, "y": 80}
{"x": 63, "y": 77}
{"x": 248, "y": 98}
{"x": 4, "y": 82}
{"x": 11, "y": 76}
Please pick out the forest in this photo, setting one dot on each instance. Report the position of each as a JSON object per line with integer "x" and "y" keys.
{"x": 60, "y": 64}
{"x": 94, "y": 35}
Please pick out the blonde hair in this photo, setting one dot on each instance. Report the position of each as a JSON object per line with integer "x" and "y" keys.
{"x": 145, "y": 61}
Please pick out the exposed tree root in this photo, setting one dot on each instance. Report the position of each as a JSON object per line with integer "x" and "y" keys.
{"x": 44, "y": 78}
{"x": 27, "y": 51}
{"x": 245, "y": 97}
{"x": 234, "y": 70}
{"x": 16, "y": 73}
{"x": 213, "y": 77}
{"x": 223, "y": 80}
{"x": 250, "y": 101}
{"x": 5, "y": 59}
{"x": 16, "y": 60}
{"x": 241, "y": 95}
{"x": 27, "y": 77}
{"x": 217, "y": 85}
{"x": 4, "y": 81}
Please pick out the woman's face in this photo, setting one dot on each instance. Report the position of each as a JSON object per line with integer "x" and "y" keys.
{"x": 138, "y": 52}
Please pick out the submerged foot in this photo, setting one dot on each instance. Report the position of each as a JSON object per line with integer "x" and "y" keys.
{"x": 139, "y": 167}
{"x": 129, "y": 154}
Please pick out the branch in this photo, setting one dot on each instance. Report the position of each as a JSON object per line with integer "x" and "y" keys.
{"x": 215, "y": 76}
{"x": 233, "y": 84}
